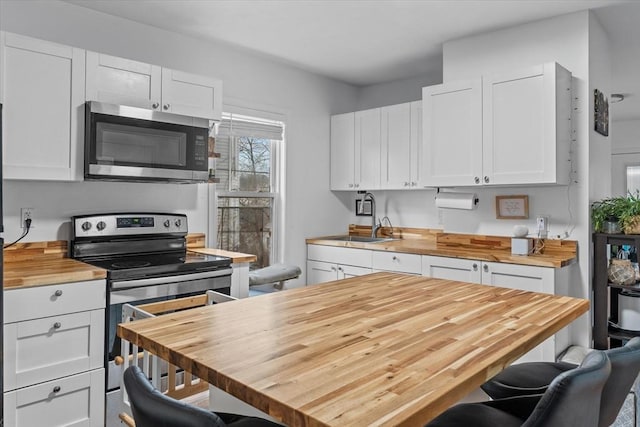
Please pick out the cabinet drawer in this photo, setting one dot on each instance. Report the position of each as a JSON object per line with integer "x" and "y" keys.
{"x": 43, "y": 349}
{"x": 338, "y": 255}
{"x": 396, "y": 261}
{"x": 43, "y": 301}
{"x": 77, "y": 400}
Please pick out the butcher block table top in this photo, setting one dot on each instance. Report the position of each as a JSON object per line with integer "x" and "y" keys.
{"x": 383, "y": 349}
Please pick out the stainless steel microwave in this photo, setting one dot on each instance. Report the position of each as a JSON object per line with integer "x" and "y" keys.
{"x": 134, "y": 144}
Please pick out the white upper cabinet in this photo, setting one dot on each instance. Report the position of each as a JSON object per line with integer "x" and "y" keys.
{"x": 191, "y": 94}
{"x": 452, "y": 134}
{"x": 42, "y": 92}
{"x": 343, "y": 151}
{"x": 511, "y": 129}
{"x": 527, "y": 126}
{"x": 401, "y": 145}
{"x": 355, "y": 150}
{"x": 122, "y": 81}
{"x": 367, "y": 153}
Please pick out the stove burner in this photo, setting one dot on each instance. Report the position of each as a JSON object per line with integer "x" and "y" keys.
{"x": 130, "y": 264}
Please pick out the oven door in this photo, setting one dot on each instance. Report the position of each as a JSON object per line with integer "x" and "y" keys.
{"x": 143, "y": 291}
{"x": 126, "y": 142}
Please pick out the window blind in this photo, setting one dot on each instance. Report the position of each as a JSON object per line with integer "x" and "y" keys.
{"x": 239, "y": 125}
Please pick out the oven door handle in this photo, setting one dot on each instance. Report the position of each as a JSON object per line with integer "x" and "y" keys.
{"x": 135, "y": 283}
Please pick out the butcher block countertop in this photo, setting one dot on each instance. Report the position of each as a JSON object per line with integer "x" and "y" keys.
{"x": 555, "y": 253}
{"x": 196, "y": 243}
{"x": 47, "y": 263}
{"x": 383, "y": 349}
{"x": 44, "y": 263}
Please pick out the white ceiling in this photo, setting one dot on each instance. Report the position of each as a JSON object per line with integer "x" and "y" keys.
{"x": 365, "y": 42}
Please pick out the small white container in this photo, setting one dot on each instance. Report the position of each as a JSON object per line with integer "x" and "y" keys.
{"x": 629, "y": 310}
{"x": 521, "y": 246}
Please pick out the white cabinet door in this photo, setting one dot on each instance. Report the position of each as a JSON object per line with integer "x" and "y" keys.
{"x": 191, "y": 95}
{"x": 52, "y": 347}
{"x": 526, "y": 126}
{"x": 320, "y": 272}
{"x": 459, "y": 269}
{"x": 42, "y": 91}
{"x": 367, "y": 149}
{"x": 523, "y": 277}
{"x": 347, "y": 271}
{"x": 343, "y": 151}
{"x": 123, "y": 81}
{"x": 396, "y": 147}
{"x": 77, "y": 401}
{"x": 398, "y": 262}
{"x": 452, "y": 134}
{"x": 416, "y": 144}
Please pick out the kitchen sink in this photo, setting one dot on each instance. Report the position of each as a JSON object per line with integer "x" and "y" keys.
{"x": 361, "y": 239}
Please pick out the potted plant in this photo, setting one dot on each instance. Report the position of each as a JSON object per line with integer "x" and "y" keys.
{"x": 613, "y": 214}
{"x": 630, "y": 216}
{"x": 607, "y": 211}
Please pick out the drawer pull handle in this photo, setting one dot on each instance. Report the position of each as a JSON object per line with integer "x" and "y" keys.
{"x": 475, "y": 267}
{"x": 395, "y": 258}
{"x": 485, "y": 268}
{"x": 56, "y": 389}
{"x": 58, "y": 293}
{"x": 57, "y": 325}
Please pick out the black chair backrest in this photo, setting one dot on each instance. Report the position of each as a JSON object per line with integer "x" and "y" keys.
{"x": 625, "y": 366}
{"x": 573, "y": 397}
{"x": 151, "y": 408}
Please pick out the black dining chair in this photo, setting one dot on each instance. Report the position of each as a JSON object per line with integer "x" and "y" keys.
{"x": 571, "y": 400}
{"x": 151, "y": 408}
{"x": 534, "y": 378}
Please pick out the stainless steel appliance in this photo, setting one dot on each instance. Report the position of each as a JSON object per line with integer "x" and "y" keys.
{"x": 135, "y": 144}
{"x": 146, "y": 259}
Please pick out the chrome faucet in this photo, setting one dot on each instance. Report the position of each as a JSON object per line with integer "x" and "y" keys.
{"x": 374, "y": 226}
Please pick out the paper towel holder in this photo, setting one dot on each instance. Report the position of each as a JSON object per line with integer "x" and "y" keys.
{"x": 454, "y": 200}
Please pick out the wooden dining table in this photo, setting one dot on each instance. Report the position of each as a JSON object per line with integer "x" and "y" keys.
{"x": 383, "y": 349}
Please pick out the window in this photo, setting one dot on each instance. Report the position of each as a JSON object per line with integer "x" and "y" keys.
{"x": 248, "y": 188}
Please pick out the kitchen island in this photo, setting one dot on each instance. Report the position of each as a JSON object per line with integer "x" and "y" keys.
{"x": 381, "y": 349}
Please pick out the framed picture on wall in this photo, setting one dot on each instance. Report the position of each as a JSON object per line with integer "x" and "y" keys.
{"x": 512, "y": 207}
{"x": 601, "y": 113}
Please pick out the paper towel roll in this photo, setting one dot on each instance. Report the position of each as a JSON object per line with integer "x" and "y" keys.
{"x": 456, "y": 200}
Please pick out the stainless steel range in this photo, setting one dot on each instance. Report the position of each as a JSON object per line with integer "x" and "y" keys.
{"x": 146, "y": 258}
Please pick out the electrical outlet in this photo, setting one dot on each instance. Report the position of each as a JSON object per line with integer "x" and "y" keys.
{"x": 25, "y": 214}
{"x": 542, "y": 225}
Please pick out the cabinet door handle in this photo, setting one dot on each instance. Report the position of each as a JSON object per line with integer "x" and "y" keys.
{"x": 339, "y": 268}
{"x": 155, "y": 105}
{"x": 476, "y": 180}
{"x": 475, "y": 267}
{"x": 333, "y": 268}
{"x": 395, "y": 258}
{"x": 57, "y": 325}
{"x": 486, "y": 179}
{"x": 413, "y": 184}
{"x": 58, "y": 293}
{"x": 57, "y": 389}
{"x": 166, "y": 106}
{"x": 350, "y": 185}
{"x": 485, "y": 268}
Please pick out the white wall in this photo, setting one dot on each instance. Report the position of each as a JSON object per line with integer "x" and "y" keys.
{"x": 307, "y": 99}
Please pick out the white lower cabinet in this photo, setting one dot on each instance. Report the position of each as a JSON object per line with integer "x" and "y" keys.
{"x": 76, "y": 400}
{"x": 327, "y": 263}
{"x": 524, "y": 277}
{"x": 397, "y": 262}
{"x": 54, "y": 355}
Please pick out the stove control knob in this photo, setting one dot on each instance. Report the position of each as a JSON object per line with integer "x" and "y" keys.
{"x": 167, "y": 223}
{"x": 101, "y": 225}
{"x": 86, "y": 226}
{"x": 178, "y": 223}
